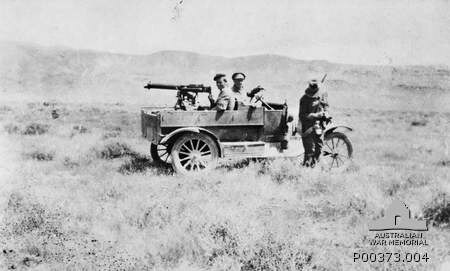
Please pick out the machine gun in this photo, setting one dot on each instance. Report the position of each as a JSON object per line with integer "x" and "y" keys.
{"x": 186, "y": 94}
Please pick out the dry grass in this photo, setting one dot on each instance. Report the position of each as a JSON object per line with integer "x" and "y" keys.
{"x": 100, "y": 202}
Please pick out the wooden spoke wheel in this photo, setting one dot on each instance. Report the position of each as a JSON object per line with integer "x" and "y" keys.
{"x": 193, "y": 153}
{"x": 337, "y": 149}
{"x": 160, "y": 154}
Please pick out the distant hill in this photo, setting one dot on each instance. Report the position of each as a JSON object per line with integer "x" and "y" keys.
{"x": 81, "y": 75}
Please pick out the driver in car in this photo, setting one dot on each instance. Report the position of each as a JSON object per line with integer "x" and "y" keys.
{"x": 238, "y": 87}
{"x": 313, "y": 107}
{"x": 252, "y": 98}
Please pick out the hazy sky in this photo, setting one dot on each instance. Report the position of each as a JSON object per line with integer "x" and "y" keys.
{"x": 360, "y": 31}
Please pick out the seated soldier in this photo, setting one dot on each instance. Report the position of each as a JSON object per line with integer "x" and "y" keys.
{"x": 238, "y": 87}
{"x": 242, "y": 96}
{"x": 225, "y": 99}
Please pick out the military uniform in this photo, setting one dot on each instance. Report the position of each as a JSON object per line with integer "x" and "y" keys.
{"x": 225, "y": 101}
{"x": 312, "y": 102}
{"x": 240, "y": 95}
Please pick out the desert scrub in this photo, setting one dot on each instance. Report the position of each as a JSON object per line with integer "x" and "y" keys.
{"x": 40, "y": 155}
{"x": 112, "y": 134}
{"x": 113, "y": 150}
{"x": 392, "y": 156}
{"x": 32, "y": 233}
{"x": 137, "y": 163}
{"x": 225, "y": 239}
{"x": 111, "y": 131}
{"x": 443, "y": 163}
{"x": 282, "y": 170}
{"x": 11, "y": 128}
{"x": 46, "y": 103}
{"x": 26, "y": 216}
{"x": 287, "y": 170}
{"x": 422, "y": 122}
{"x": 235, "y": 164}
{"x": 272, "y": 254}
{"x": 113, "y": 128}
{"x": 5, "y": 109}
{"x": 79, "y": 129}
{"x": 266, "y": 252}
{"x": 69, "y": 163}
{"x": 412, "y": 181}
{"x": 36, "y": 129}
{"x": 438, "y": 211}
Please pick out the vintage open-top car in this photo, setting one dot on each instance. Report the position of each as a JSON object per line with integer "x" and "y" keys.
{"x": 193, "y": 140}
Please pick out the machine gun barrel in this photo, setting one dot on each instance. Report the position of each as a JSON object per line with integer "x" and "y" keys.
{"x": 160, "y": 86}
{"x": 184, "y": 88}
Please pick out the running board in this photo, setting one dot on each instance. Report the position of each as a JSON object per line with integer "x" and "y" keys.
{"x": 246, "y": 149}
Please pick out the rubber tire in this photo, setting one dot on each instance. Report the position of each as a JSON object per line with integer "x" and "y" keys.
{"x": 155, "y": 155}
{"x": 176, "y": 163}
{"x": 345, "y": 139}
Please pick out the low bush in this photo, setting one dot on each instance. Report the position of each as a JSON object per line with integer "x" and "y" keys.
{"x": 114, "y": 128}
{"x": 69, "y": 163}
{"x": 12, "y": 128}
{"x": 36, "y": 129}
{"x": 393, "y": 156}
{"x": 444, "y": 163}
{"x": 137, "y": 163}
{"x": 235, "y": 164}
{"x": 271, "y": 254}
{"x": 438, "y": 211}
{"x": 412, "y": 181}
{"x": 226, "y": 241}
{"x": 115, "y": 150}
{"x": 80, "y": 129}
{"x": 111, "y": 134}
{"x": 5, "y": 109}
{"x": 41, "y": 155}
{"x": 26, "y": 216}
{"x": 55, "y": 114}
{"x": 419, "y": 123}
{"x": 41, "y": 227}
{"x": 46, "y": 103}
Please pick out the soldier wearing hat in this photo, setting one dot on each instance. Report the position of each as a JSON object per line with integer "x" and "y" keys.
{"x": 238, "y": 87}
{"x": 225, "y": 100}
{"x": 313, "y": 108}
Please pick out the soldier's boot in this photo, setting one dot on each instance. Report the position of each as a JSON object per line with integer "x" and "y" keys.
{"x": 317, "y": 157}
{"x": 308, "y": 161}
{"x": 308, "y": 145}
{"x": 318, "y": 144}
{"x": 313, "y": 163}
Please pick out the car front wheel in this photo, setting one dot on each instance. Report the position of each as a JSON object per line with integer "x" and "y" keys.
{"x": 194, "y": 153}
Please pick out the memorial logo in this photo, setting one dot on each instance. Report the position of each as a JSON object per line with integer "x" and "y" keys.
{"x": 398, "y": 217}
{"x": 398, "y": 228}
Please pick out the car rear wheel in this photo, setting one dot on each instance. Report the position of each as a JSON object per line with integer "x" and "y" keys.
{"x": 160, "y": 154}
{"x": 194, "y": 153}
{"x": 337, "y": 149}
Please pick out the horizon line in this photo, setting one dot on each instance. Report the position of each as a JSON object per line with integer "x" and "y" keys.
{"x": 29, "y": 43}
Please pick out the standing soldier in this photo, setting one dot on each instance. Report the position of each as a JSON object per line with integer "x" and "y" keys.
{"x": 313, "y": 107}
{"x": 225, "y": 99}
